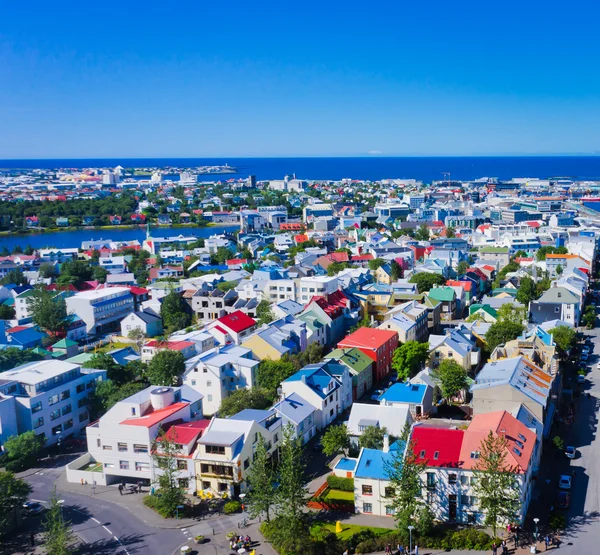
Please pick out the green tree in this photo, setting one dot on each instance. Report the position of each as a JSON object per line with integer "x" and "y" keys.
{"x": 13, "y": 493}
{"x": 59, "y": 539}
{"x": 138, "y": 335}
{"x": 559, "y": 270}
{"x": 335, "y": 440}
{"x": 100, "y": 274}
{"x": 255, "y": 398}
{"x": 422, "y": 233}
{"x": 107, "y": 394}
{"x": 527, "y": 291}
{"x": 47, "y": 270}
{"x": 509, "y": 312}
{"x": 272, "y": 372}
{"x": 12, "y": 357}
{"x": 166, "y": 367}
{"x": 462, "y": 267}
{"x": 502, "y": 332}
{"x": 589, "y": 317}
{"x": 172, "y": 312}
{"x": 6, "y": 312}
{"x": 226, "y": 286}
{"x": 164, "y": 458}
{"x": 261, "y": 478}
{"x": 450, "y": 232}
{"x": 452, "y": 377}
{"x": 264, "y": 313}
{"x": 372, "y": 437}
{"x": 14, "y": 276}
{"x": 336, "y": 267}
{"x": 48, "y": 310}
{"x": 221, "y": 256}
{"x": 426, "y": 280}
{"x": 376, "y": 263}
{"x": 408, "y": 358}
{"x": 23, "y": 450}
{"x": 114, "y": 372}
{"x": 76, "y": 272}
{"x": 565, "y": 338}
{"x": 396, "y": 271}
{"x": 497, "y": 486}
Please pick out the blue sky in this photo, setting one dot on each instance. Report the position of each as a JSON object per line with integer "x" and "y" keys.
{"x": 199, "y": 78}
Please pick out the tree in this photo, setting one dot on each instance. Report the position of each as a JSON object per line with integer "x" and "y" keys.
{"x": 450, "y": 232}
{"x": 114, "y": 371}
{"x": 23, "y": 450}
{"x": 264, "y": 313}
{"x": 422, "y": 233}
{"x": 6, "y": 312}
{"x": 497, "y": 486}
{"x": 12, "y": 357}
{"x": 462, "y": 267}
{"x": 501, "y": 332}
{"x": 13, "y": 493}
{"x": 48, "y": 310}
{"x": 172, "y": 312}
{"x": 426, "y": 280}
{"x": 511, "y": 313}
{"x": 559, "y": 270}
{"x": 107, "y": 394}
{"x": 221, "y": 256}
{"x": 164, "y": 458}
{"x": 166, "y": 367}
{"x": 138, "y": 335}
{"x": 452, "y": 377}
{"x": 565, "y": 338}
{"x": 335, "y": 440}
{"x": 396, "y": 271}
{"x": 47, "y": 270}
{"x": 376, "y": 263}
{"x": 255, "y": 398}
{"x": 75, "y": 272}
{"x": 260, "y": 478}
{"x": 589, "y": 317}
{"x": 372, "y": 437}
{"x": 100, "y": 274}
{"x": 14, "y": 276}
{"x": 226, "y": 286}
{"x": 527, "y": 291}
{"x": 336, "y": 267}
{"x": 59, "y": 538}
{"x": 408, "y": 358}
{"x": 272, "y": 372}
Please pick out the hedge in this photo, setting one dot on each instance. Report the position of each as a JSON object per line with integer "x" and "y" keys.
{"x": 344, "y": 484}
{"x": 232, "y": 507}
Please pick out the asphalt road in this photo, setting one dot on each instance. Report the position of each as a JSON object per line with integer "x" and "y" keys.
{"x": 106, "y": 528}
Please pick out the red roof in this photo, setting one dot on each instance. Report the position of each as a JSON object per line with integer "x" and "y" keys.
{"x": 301, "y": 238}
{"x": 466, "y": 285}
{"x": 236, "y": 261}
{"x": 338, "y": 256}
{"x": 138, "y": 290}
{"x": 437, "y": 446}
{"x": 370, "y": 338}
{"x": 155, "y": 416}
{"x": 187, "y": 432}
{"x": 362, "y": 257}
{"x": 533, "y": 224}
{"x": 16, "y": 329}
{"x": 237, "y": 321}
{"x": 170, "y": 345}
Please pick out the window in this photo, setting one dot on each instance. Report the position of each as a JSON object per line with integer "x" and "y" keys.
{"x": 331, "y": 412}
{"x": 215, "y": 449}
{"x": 80, "y": 388}
{"x": 473, "y": 500}
{"x": 209, "y": 384}
{"x": 55, "y": 414}
{"x": 464, "y": 500}
{"x": 209, "y": 398}
{"x": 65, "y": 394}
{"x": 124, "y": 465}
{"x": 473, "y": 480}
{"x": 82, "y": 402}
{"x": 193, "y": 382}
{"x": 91, "y": 384}
{"x": 122, "y": 447}
{"x": 138, "y": 448}
{"x": 109, "y": 465}
{"x": 430, "y": 480}
{"x": 142, "y": 466}
{"x": 66, "y": 409}
{"x": 36, "y": 407}
{"x": 223, "y": 486}
{"x": 430, "y": 497}
{"x": 56, "y": 430}
{"x": 389, "y": 492}
{"x": 472, "y": 518}
{"x": 389, "y": 510}
{"x": 474, "y": 454}
{"x": 39, "y": 422}
{"x": 98, "y": 444}
{"x": 452, "y": 478}
{"x": 205, "y": 485}
{"x": 83, "y": 416}
{"x": 53, "y": 400}
{"x": 181, "y": 465}
{"x": 464, "y": 480}
{"x": 422, "y": 454}
{"x": 436, "y": 455}
{"x": 367, "y": 507}
{"x": 132, "y": 411}
{"x": 107, "y": 448}
{"x": 367, "y": 490}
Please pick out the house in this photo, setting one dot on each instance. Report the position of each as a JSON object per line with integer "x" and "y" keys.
{"x": 409, "y": 320}
{"x": 50, "y": 397}
{"x": 138, "y": 218}
{"x": 88, "y": 220}
{"x": 120, "y": 443}
{"x": 335, "y": 312}
{"x": 101, "y": 309}
{"x": 392, "y": 418}
{"x": 416, "y": 397}
{"x": 24, "y": 337}
{"x": 65, "y": 348}
{"x": 163, "y": 219}
{"x": 146, "y": 321}
{"x": 113, "y": 264}
{"x": 447, "y": 297}
{"x": 150, "y": 348}
{"x": 62, "y": 222}
{"x": 360, "y": 366}
{"x": 115, "y": 220}
{"x": 32, "y": 221}
{"x": 377, "y": 344}
{"x": 456, "y": 344}
{"x": 300, "y": 414}
{"x": 232, "y": 328}
{"x": 501, "y": 255}
{"x": 218, "y": 372}
{"x": 285, "y": 336}
{"x": 557, "y": 303}
{"x": 165, "y": 272}
{"x": 226, "y": 449}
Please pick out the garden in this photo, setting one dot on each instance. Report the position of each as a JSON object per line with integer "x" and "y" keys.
{"x": 336, "y": 494}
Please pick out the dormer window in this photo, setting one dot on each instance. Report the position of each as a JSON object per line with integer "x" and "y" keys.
{"x": 132, "y": 411}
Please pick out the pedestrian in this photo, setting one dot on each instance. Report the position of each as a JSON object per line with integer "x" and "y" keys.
{"x": 516, "y": 539}
{"x": 547, "y": 541}
{"x": 120, "y": 489}
{"x": 494, "y": 549}
{"x": 140, "y": 486}
{"x": 504, "y": 548}
{"x": 32, "y": 538}
{"x": 416, "y": 550}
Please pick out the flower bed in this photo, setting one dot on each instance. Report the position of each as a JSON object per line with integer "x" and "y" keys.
{"x": 330, "y": 499}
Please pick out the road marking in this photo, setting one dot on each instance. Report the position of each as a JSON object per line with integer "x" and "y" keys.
{"x": 95, "y": 520}
{"x": 39, "y": 501}
{"x": 107, "y": 529}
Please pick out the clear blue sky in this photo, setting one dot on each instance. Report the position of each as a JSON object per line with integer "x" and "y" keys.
{"x": 241, "y": 78}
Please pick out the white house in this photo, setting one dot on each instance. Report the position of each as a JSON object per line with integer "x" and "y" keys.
{"x": 392, "y": 418}
{"x": 146, "y": 321}
{"x": 101, "y": 309}
{"x": 232, "y": 328}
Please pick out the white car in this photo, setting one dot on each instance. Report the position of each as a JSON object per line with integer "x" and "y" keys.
{"x": 564, "y": 482}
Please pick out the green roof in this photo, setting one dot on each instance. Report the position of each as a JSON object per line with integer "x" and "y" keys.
{"x": 355, "y": 358}
{"x": 57, "y": 354}
{"x": 486, "y": 308}
{"x": 496, "y": 250}
{"x": 442, "y": 294}
{"x": 508, "y": 290}
{"x": 41, "y": 351}
{"x": 64, "y": 343}
{"x": 81, "y": 358}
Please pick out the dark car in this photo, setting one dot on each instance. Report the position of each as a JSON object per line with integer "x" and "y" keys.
{"x": 563, "y": 499}
{"x": 32, "y": 508}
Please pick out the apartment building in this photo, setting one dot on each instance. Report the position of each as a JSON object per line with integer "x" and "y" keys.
{"x": 102, "y": 309}
{"x": 315, "y": 286}
{"x": 50, "y": 397}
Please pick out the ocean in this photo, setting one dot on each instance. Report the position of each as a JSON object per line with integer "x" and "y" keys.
{"x": 366, "y": 168}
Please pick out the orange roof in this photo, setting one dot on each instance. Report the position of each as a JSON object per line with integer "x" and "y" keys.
{"x": 562, "y": 256}
{"x": 466, "y": 285}
{"x": 371, "y": 338}
{"x": 301, "y": 238}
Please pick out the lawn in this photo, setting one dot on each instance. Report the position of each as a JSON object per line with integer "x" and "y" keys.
{"x": 339, "y": 495}
{"x": 93, "y": 467}
{"x": 348, "y": 530}
{"x": 111, "y": 347}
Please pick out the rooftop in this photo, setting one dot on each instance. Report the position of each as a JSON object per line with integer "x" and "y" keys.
{"x": 154, "y": 416}
{"x": 370, "y": 338}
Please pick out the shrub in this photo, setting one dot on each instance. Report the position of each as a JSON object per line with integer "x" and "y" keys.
{"x": 154, "y": 502}
{"x": 558, "y": 442}
{"x": 557, "y": 522}
{"x": 344, "y": 484}
{"x": 232, "y": 507}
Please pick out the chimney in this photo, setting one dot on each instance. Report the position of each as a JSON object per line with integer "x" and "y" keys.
{"x": 303, "y": 378}
{"x": 386, "y": 443}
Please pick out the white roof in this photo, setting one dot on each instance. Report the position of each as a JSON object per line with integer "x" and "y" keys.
{"x": 391, "y": 417}
{"x": 99, "y": 293}
{"x": 36, "y": 372}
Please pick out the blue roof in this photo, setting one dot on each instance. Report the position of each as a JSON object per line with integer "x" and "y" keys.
{"x": 27, "y": 336}
{"x": 316, "y": 378}
{"x": 373, "y": 463}
{"x": 404, "y": 393}
{"x": 348, "y": 465}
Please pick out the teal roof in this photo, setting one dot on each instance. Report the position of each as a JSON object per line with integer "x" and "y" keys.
{"x": 64, "y": 344}
{"x": 442, "y": 294}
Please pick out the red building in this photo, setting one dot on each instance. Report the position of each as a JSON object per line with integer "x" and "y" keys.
{"x": 377, "y": 344}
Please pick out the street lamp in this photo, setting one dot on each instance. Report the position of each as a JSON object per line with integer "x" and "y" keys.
{"x": 535, "y": 521}
{"x": 410, "y": 529}
{"x": 61, "y": 502}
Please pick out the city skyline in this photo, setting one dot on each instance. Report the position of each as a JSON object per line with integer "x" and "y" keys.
{"x": 148, "y": 80}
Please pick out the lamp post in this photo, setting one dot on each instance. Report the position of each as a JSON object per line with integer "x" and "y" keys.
{"x": 61, "y": 502}
{"x": 410, "y": 529}
{"x": 535, "y": 534}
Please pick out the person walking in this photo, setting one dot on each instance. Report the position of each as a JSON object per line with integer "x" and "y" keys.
{"x": 504, "y": 548}
{"x": 494, "y": 549}
{"x": 547, "y": 541}
{"x": 120, "y": 489}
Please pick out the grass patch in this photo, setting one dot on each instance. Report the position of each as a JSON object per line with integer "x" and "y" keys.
{"x": 339, "y": 495}
{"x": 111, "y": 347}
{"x": 93, "y": 467}
{"x": 348, "y": 530}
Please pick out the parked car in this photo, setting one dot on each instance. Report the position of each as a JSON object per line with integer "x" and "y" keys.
{"x": 584, "y": 357}
{"x": 564, "y": 482}
{"x": 376, "y": 394}
{"x": 563, "y": 499}
{"x": 32, "y": 508}
{"x": 570, "y": 452}
{"x": 580, "y": 378}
